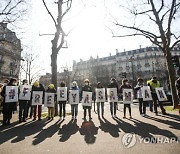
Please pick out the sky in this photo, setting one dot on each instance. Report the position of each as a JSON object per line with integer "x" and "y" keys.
{"x": 88, "y": 25}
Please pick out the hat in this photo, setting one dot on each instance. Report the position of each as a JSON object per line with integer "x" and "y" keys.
{"x": 86, "y": 80}
{"x": 51, "y": 86}
{"x": 36, "y": 83}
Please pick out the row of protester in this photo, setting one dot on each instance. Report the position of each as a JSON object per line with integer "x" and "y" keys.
{"x": 34, "y": 96}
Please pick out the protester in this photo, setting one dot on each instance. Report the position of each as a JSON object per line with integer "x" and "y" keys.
{"x": 74, "y": 107}
{"x": 113, "y": 105}
{"x": 51, "y": 110}
{"x": 87, "y": 88}
{"x": 125, "y": 85}
{"x": 62, "y": 104}
{"x": 153, "y": 84}
{"x": 23, "y": 105}
{"x": 142, "y": 104}
{"x": 9, "y": 107}
{"x": 37, "y": 87}
{"x": 99, "y": 85}
{"x": 1, "y": 98}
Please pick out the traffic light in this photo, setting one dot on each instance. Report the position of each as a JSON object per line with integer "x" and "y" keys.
{"x": 123, "y": 74}
{"x": 175, "y": 61}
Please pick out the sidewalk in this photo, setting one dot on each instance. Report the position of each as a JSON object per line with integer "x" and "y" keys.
{"x": 98, "y": 136}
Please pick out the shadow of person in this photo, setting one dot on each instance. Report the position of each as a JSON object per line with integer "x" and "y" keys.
{"x": 172, "y": 124}
{"x": 20, "y": 132}
{"x": 171, "y": 116}
{"x": 89, "y": 130}
{"x": 68, "y": 130}
{"x": 108, "y": 127}
{"x": 46, "y": 133}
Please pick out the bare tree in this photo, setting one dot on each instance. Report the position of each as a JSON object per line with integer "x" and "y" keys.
{"x": 12, "y": 10}
{"x": 63, "y": 7}
{"x": 159, "y": 26}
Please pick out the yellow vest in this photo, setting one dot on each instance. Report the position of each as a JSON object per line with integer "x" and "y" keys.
{"x": 153, "y": 85}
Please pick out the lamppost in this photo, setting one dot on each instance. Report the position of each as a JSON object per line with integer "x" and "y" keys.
{"x": 131, "y": 60}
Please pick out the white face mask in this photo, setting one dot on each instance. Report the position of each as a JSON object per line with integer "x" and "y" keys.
{"x": 86, "y": 83}
{"x": 14, "y": 83}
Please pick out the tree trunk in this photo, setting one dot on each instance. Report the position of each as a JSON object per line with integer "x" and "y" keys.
{"x": 54, "y": 76}
{"x": 172, "y": 79}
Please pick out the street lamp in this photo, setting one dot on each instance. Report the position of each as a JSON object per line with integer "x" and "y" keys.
{"x": 131, "y": 60}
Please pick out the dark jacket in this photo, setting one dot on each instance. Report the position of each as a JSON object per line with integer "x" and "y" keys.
{"x": 178, "y": 85}
{"x": 123, "y": 86}
{"x": 114, "y": 85}
{"x": 39, "y": 88}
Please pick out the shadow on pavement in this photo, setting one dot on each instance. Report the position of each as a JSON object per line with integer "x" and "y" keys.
{"x": 145, "y": 130}
{"x": 171, "y": 116}
{"x": 89, "y": 130}
{"x": 108, "y": 127}
{"x": 47, "y": 133}
{"x": 20, "y": 132}
{"x": 172, "y": 124}
{"x": 68, "y": 130}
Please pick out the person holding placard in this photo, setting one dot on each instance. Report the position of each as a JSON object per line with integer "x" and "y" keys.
{"x": 9, "y": 106}
{"x": 86, "y": 88}
{"x": 153, "y": 84}
{"x": 113, "y": 105}
{"x": 23, "y": 103}
{"x": 125, "y": 85}
{"x": 62, "y": 104}
{"x": 37, "y": 87}
{"x": 51, "y": 110}
{"x": 142, "y": 104}
{"x": 100, "y": 95}
{"x": 74, "y": 107}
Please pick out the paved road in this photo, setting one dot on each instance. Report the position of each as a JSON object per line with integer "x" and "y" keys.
{"x": 151, "y": 134}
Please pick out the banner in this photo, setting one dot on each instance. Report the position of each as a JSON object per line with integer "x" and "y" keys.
{"x": 127, "y": 96}
{"x": 62, "y": 94}
{"x": 37, "y": 97}
{"x": 100, "y": 95}
{"x": 25, "y": 92}
{"x": 73, "y": 96}
{"x": 146, "y": 93}
{"x": 87, "y": 98}
{"x": 161, "y": 94}
{"x": 112, "y": 95}
{"x": 49, "y": 99}
{"x": 11, "y": 94}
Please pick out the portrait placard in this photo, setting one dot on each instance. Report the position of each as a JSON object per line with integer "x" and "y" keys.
{"x": 37, "y": 97}
{"x": 62, "y": 94}
{"x": 112, "y": 95}
{"x": 87, "y": 98}
{"x": 73, "y": 96}
{"x": 161, "y": 94}
{"x": 25, "y": 92}
{"x": 127, "y": 96}
{"x": 146, "y": 93}
{"x": 49, "y": 99}
{"x": 100, "y": 95}
{"x": 11, "y": 94}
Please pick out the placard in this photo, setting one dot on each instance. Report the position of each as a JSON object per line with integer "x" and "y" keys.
{"x": 87, "y": 98}
{"x": 11, "y": 94}
{"x": 161, "y": 94}
{"x": 62, "y": 94}
{"x": 25, "y": 92}
{"x": 127, "y": 96}
{"x": 112, "y": 95}
{"x": 73, "y": 96}
{"x": 100, "y": 95}
{"x": 49, "y": 99}
{"x": 146, "y": 93}
{"x": 37, "y": 97}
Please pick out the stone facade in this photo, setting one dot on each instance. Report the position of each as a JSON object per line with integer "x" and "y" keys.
{"x": 10, "y": 53}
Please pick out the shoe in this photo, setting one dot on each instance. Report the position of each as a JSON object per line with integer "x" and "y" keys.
{"x": 24, "y": 120}
{"x": 142, "y": 115}
{"x": 115, "y": 116}
{"x": 156, "y": 114}
{"x": 164, "y": 113}
{"x": 124, "y": 117}
{"x": 20, "y": 121}
{"x": 84, "y": 118}
{"x": 39, "y": 119}
{"x": 72, "y": 118}
{"x": 75, "y": 118}
{"x": 48, "y": 118}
